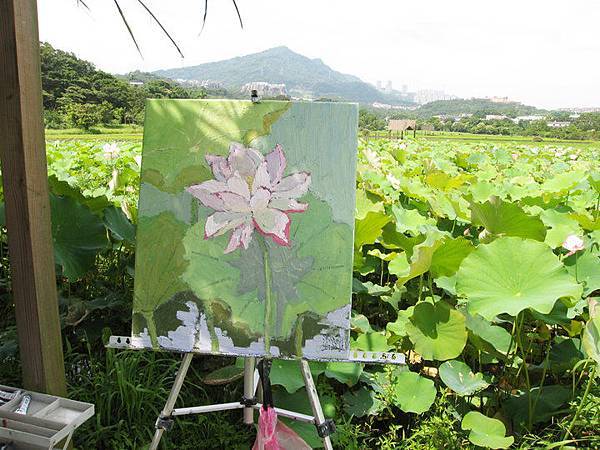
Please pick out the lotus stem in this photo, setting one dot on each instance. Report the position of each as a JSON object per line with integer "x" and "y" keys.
{"x": 581, "y": 403}
{"x": 268, "y": 295}
{"x": 527, "y": 381}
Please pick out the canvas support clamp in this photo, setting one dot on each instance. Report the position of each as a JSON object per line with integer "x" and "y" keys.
{"x": 326, "y": 428}
{"x": 248, "y": 402}
{"x": 164, "y": 423}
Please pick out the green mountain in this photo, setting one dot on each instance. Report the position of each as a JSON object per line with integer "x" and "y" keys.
{"x": 301, "y": 75}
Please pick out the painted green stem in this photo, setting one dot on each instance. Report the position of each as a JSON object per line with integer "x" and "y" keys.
{"x": 151, "y": 328}
{"x": 269, "y": 306}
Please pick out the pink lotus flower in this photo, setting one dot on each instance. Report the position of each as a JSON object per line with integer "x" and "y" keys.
{"x": 250, "y": 192}
{"x": 573, "y": 244}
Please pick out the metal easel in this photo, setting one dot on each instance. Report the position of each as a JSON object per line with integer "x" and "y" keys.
{"x": 325, "y": 427}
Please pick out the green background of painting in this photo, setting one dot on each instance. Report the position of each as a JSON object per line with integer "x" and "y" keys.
{"x": 174, "y": 264}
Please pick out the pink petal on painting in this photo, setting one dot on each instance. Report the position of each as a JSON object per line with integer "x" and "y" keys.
{"x": 260, "y": 199}
{"x": 219, "y": 166}
{"x": 206, "y": 198}
{"x": 212, "y": 186}
{"x": 238, "y": 185}
{"x": 247, "y": 230}
{"x": 261, "y": 178}
{"x": 234, "y": 202}
{"x": 293, "y": 186}
{"x": 244, "y": 160}
{"x": 223, "y": 221}
{"x": 276, "y": 164}
{"x": 273, "y": 223}
{"x": 288, "y": 205}
{"x": 235, "y": 241}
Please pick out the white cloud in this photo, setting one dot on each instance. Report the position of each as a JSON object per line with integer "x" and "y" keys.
{"x": 540, "y": 52}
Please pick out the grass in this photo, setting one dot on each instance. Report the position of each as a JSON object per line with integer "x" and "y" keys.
{"x": 116, "y": 133}
{"x": 491, "y": 138}
{"x": 134, "y": 133}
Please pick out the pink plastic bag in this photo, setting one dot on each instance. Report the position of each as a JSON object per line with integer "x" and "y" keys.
{"x": 274, "y": 435}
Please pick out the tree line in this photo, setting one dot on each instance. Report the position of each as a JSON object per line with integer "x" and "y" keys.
{"x": 585, "y": 126}
{"x": 76, "y": 94}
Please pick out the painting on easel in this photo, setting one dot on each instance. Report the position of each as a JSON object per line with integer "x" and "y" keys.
{"x": 245, "y": 228}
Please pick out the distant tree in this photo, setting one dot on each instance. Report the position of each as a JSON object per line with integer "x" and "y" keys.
{"x": 83, "y": 115}
{"x": 369, "y": 121}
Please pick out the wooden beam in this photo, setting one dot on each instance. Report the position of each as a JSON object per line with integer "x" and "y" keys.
{"x": 25, "y": 179}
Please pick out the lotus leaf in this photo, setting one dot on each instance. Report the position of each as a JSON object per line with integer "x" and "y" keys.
{"x": 513, "y": 274}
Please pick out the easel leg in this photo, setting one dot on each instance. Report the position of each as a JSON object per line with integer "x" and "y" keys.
{"x": 166, "y": 412}
{"x": 313, "y": 397}
{"x": 249, "y": 388}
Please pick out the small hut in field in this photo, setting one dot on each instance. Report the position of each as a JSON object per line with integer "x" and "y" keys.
{"x": 402, "y": 125}
{"x": 428, "y": 128}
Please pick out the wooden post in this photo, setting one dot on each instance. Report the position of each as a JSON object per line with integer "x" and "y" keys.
{"x": 25, "y": 179}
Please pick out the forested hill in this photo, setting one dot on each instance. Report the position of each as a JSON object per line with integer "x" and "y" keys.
{"x": 476, "y": 106}
{"x": 77, "y": 94}
{"x": 301, "y": 75}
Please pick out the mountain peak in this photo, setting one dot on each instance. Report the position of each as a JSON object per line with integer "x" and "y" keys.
{"x": 302, "y": 76}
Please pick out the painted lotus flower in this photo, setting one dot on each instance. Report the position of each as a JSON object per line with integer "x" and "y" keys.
{"x": 249, "y": 192}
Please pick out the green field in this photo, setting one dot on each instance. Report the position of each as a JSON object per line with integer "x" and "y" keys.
{"x": 117, "y": 133}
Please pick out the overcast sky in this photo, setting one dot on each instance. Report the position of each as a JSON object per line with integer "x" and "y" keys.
{"x": 540, "y": 52}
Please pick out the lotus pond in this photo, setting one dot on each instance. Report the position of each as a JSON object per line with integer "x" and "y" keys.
{"x": 479, "y": 260}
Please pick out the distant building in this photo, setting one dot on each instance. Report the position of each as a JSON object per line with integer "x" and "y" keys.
{"x": 558, "y": 124}
{"x": 495, "y": 117}
{"x": 136, "y": 82}
{"x": 532, "y": 118}
{"x": 428, "y": 96}
{"x": 499, "y": 99}
{"x": 264, "y": 89}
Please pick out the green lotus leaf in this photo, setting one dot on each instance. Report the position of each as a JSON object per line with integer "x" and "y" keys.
{"x": 411, "y": 221}
{"x": 510, "y": 275}
{"x": 413, "y": 393}
{"x": 119, "y": 225}
{"x": 399, "y": 326}
{"x": 496, "y": 336}
{"x": 287, "y": 373}
{"x": 550, "y": 400}
{"x": 367, "y": 230}
{"x": 373, "y": 342}
{"x": 507, "y": 219}
{"x": 485, "y": 431}
{"x": 420, "y": 261}
{"x": 77, "y": 235}
{"x": 564, "y": 354}
{"x": 562, "y": 183}
{"x": 345, "y": 372}
{"x": 585, "y": 268}
{"x": 366, "y": 203}
{"x": 362, "y": 402}
{"x": 437, "y": 331}
{"x": 360, "y": 323}
{"x": 447, "y": 257}
{"x": 460, "y": 378}
{"x": 561, "y": 225}
{"x": 591, "y": 338}
{"x": 594, "y": 180}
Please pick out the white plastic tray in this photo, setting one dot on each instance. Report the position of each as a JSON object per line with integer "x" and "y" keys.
{"x": 49, "y": 420}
